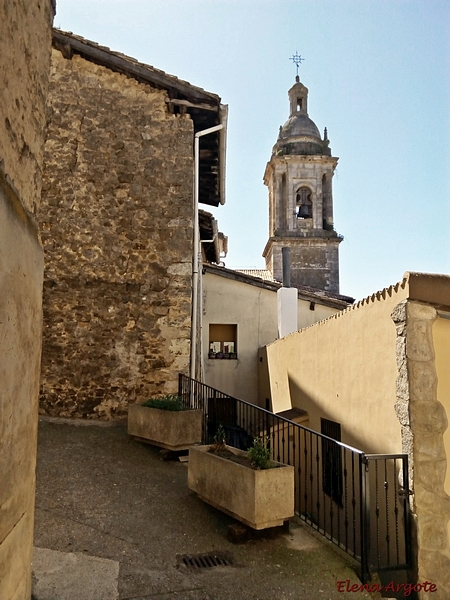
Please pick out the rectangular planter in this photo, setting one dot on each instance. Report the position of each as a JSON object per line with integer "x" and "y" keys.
{"x": 171, "y": 429}
{"x": 258, "y": 498}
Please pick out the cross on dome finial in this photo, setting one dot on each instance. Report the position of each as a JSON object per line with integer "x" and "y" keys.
{"x": 297, "y": 60}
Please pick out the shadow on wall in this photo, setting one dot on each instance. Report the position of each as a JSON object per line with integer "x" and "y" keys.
{"x": 335, "y": 472}
{"x": 301, "y": 399}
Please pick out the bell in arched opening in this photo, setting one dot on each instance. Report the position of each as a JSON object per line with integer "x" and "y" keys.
{"x": 303, "y": 204}
{"x": 304, "y": 212}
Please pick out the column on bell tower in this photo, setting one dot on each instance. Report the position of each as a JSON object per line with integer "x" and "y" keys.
{"x": 279, "y": 202}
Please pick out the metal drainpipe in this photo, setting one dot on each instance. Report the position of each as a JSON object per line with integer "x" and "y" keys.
{"x": 197, "y": 253}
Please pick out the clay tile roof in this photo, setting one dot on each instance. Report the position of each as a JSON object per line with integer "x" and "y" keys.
{"x": 262, "y": 273}
{"x": 70, "y": 43}
{"x": 203, "y": 107}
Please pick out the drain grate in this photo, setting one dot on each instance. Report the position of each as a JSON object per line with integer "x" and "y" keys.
{"x": 206, "y": 561}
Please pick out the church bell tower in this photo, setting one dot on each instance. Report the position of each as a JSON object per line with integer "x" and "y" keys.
{"x": 299, "y": 177}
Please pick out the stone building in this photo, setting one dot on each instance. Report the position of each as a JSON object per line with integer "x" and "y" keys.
{"x": 299, "y": 177}
{"x": 117, "y": 224}
{"x": 25, "y": 40}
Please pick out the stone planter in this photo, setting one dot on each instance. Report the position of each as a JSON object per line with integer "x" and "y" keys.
{"x": 170, "y": 429}
{"x": 258, "y": 498}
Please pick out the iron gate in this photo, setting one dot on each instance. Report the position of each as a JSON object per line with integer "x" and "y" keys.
{"x": 386, "y": 513}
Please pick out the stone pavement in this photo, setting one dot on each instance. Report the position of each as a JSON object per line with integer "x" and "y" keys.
{"x": 112, "y": 520}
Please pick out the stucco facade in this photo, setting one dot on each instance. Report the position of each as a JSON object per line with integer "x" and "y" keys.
{"x": 380, "y": 370}
{"x": 344, "y": 369}
{"x": 24, "y": 27}
{"x": 250, "y": 304}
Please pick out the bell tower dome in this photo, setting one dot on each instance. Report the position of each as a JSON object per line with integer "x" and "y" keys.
{"x": 299, "y": 177}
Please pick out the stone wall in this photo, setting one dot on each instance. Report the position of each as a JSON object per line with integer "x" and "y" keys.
{"x": 25, "y": 46}
{"x": 314, "y": 262}
{"x": 116, "y": 222}
{"x": 421, "y": 409}
{"x": 25, "y": 42}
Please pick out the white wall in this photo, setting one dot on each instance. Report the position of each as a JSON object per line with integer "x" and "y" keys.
{"x": 254, "y": 310}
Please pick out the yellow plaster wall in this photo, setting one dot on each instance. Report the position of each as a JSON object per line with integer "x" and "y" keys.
{"x": 254, "y": 310}
{"x": 441, "y": 340}
{"x": 25, "y": 45}
{"x": 344, "y": 369}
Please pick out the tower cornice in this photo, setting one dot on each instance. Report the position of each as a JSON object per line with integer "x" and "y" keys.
{"x": 294, "y": 159}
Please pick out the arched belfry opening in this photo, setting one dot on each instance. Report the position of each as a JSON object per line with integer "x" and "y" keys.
{"x": 299, "y": 177}
{"x": 303, "y": 203}
{"x": 298, "y": 98}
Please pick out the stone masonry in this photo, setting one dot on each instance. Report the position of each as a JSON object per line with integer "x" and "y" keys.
{"x": 25, "y": 43}
{"x": 423, "y": 420}
{"x": 299, "y": 179}
{"x": 116, "y": 224}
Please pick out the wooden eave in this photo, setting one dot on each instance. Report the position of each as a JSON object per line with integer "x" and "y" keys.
{"x": 208, "y": 231}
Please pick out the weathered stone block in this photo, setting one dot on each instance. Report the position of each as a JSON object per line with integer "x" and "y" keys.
{"x": 432, "y": 533}
{"x": 430, "y": 563}
{"x": 419, "y": 344}
{"x": 421, "y": 312}
{"x": 433, "y": 502}
{"x": 422, "y": 380}
{"x": 430, "y": 474}
{"x": 428, "y": 417}
{"x": 429, "y": 446}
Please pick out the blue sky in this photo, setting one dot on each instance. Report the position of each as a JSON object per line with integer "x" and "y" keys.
{"x": 378, "y": 74}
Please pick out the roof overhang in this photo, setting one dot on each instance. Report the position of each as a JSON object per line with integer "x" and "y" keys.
{"x": 309, "y": 294}
{"x": 204, "y": 108}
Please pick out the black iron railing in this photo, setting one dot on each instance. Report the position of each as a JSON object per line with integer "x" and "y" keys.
{"x": 336, "y": 491}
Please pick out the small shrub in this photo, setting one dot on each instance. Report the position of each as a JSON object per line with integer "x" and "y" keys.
{"x": 220, "y": 439}
{"x": 259, "y": 453}
{"x": 169, "y": 402}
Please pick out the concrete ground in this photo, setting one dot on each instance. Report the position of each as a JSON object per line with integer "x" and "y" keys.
{"x": 112, "y": 520}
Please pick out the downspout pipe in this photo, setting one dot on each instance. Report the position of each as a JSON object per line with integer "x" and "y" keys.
{"x": 197, "y": 253}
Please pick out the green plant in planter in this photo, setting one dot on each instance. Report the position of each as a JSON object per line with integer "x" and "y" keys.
{"x": 168, "y": 402}
{"x": 259, "y": 453}
{"x": 220, "y": 439}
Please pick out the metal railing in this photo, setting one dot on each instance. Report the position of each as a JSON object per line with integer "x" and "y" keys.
{"x": 334, "y": 483}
